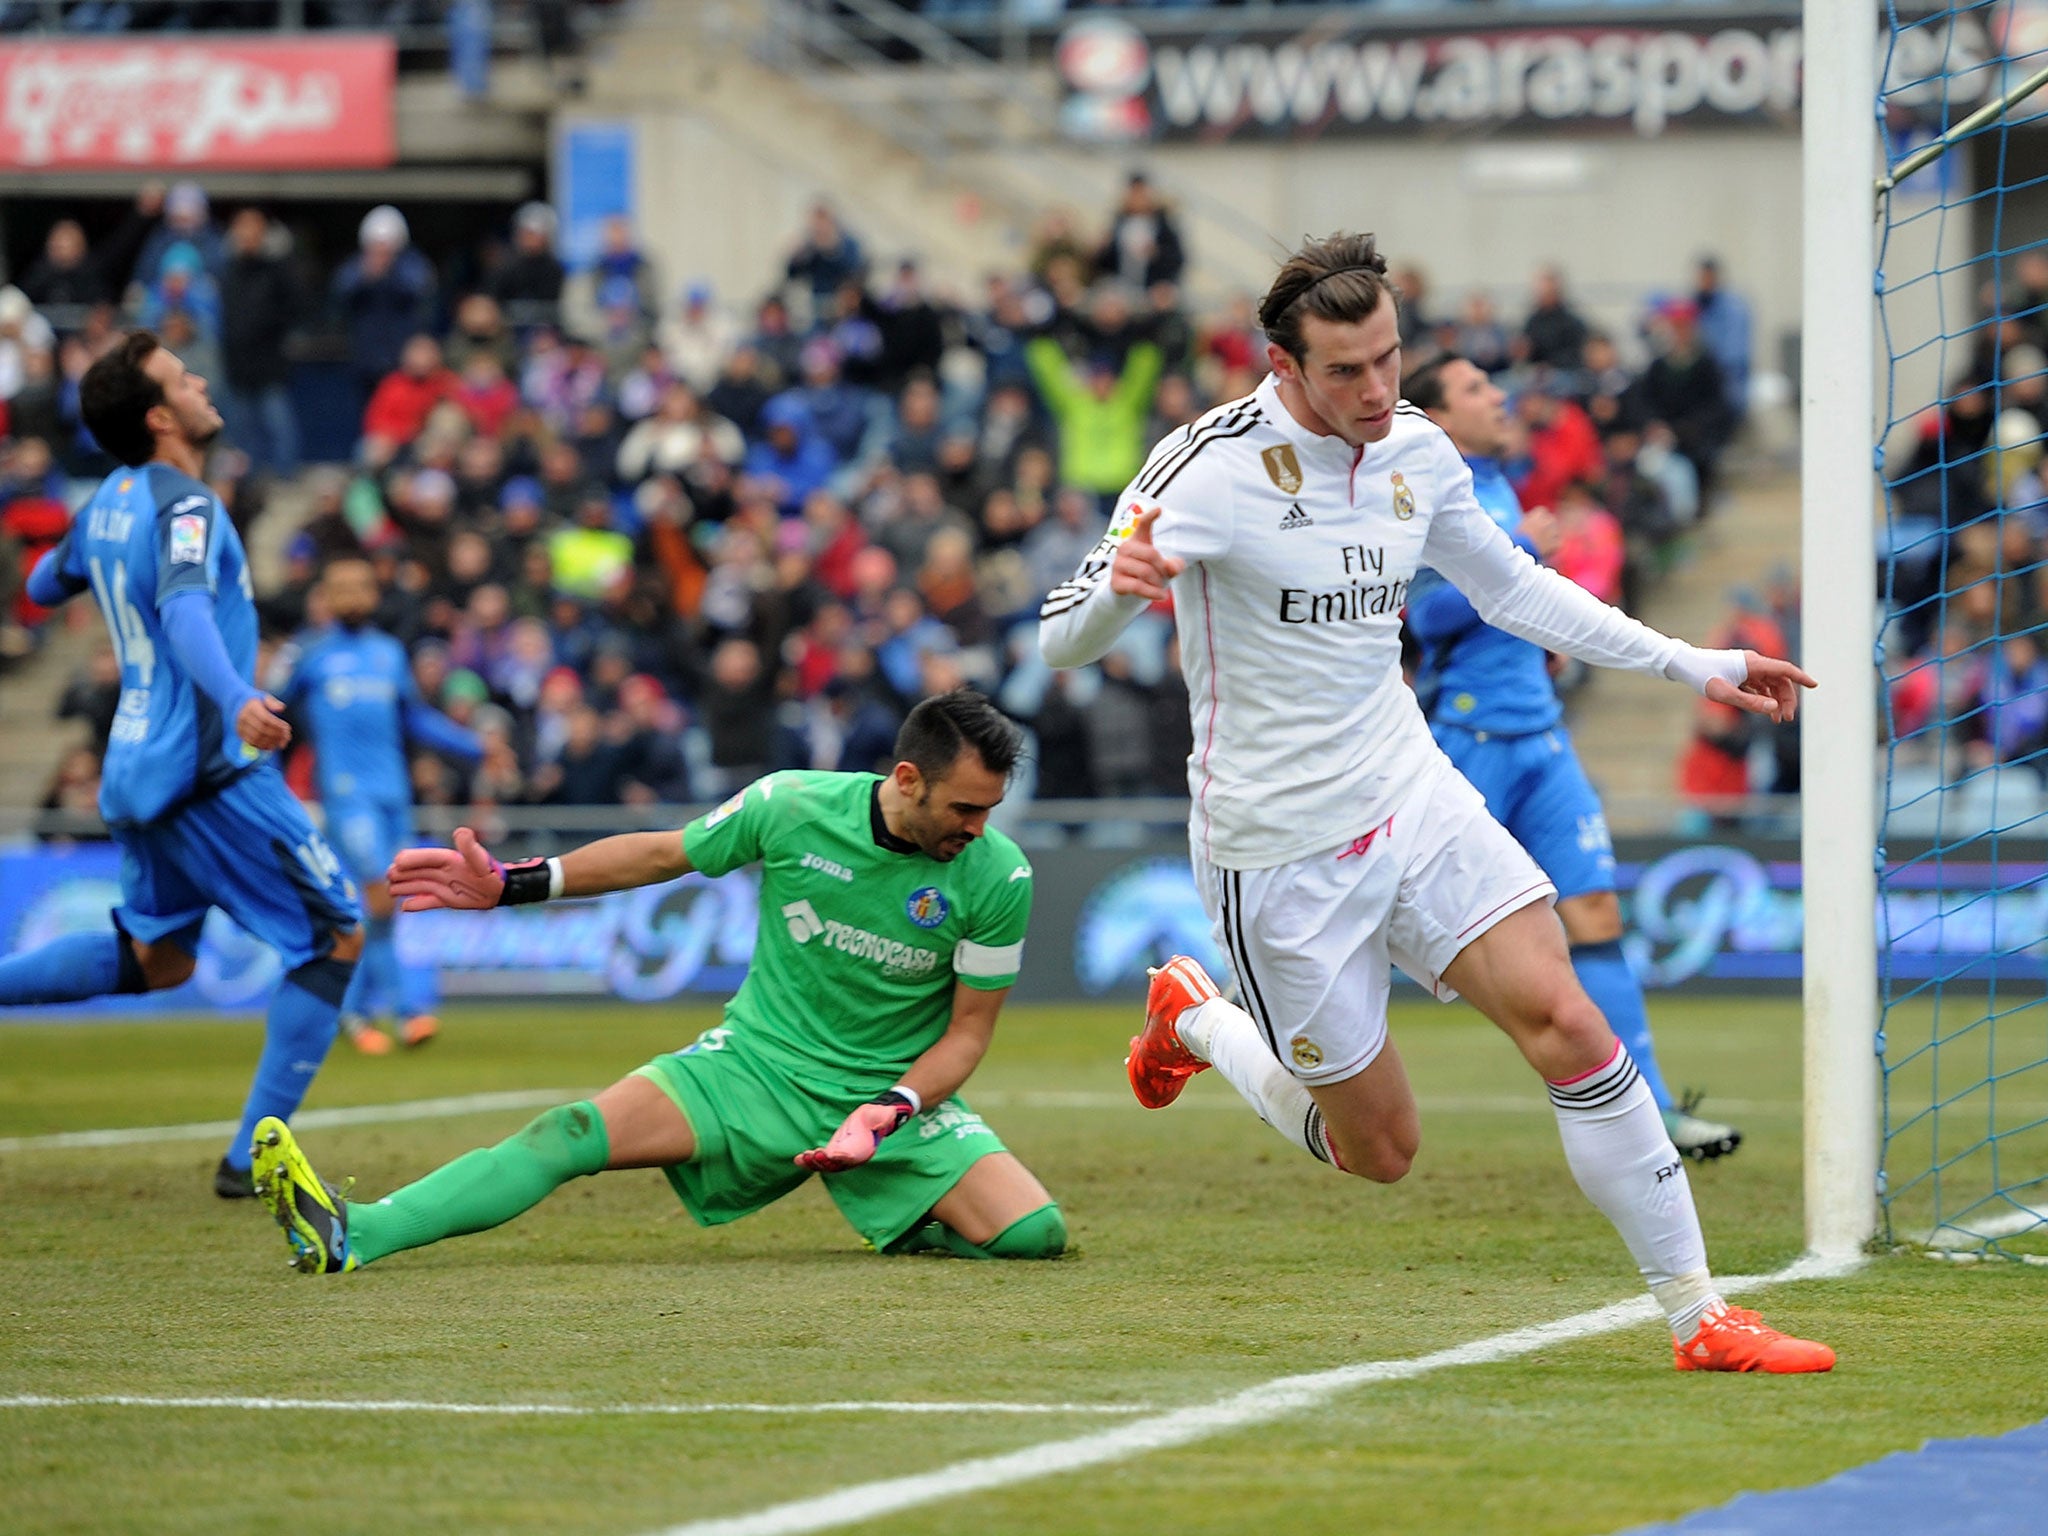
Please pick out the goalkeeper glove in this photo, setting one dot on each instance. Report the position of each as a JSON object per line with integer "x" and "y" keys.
{"x": 466, "y": 878}
{"x": 861, "y": 1132}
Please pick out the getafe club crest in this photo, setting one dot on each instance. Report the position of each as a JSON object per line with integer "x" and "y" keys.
{"x": 926, "y": 907}
{"x": 1404, "y": 499}
{"x": 1283, "y": 468}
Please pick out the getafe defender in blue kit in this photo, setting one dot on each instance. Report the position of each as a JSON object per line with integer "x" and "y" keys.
{"x": 350, "y": 686}
{"x": 189, "y": 789}
{"x": 1492, "y": 709}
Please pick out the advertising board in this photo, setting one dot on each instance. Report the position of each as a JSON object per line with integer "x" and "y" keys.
{"x": 1415, "y": 73}
{"x": 1701, "y": 916}
{"x": 246, "y": 103}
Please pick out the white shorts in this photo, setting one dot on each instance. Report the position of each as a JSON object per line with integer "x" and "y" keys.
{"x": 1312, "y": 941}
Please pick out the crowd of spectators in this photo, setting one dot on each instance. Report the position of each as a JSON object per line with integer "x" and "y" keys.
{"x": 650, "y": 543}
{"x": 650, "y": 540}
{"x": 1966, "y": 583}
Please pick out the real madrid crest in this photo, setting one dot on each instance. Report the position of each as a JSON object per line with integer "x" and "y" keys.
{"x": 1307, "y": 1054}
{"x": 1404, "y": 499}
{"x": 1283, "y": 468}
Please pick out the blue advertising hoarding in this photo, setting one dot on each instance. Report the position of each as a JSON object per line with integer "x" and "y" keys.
{"x": 689, "y": 935}
{"x": 1699, "y": 916}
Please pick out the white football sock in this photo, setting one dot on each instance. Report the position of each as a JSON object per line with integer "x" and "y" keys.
{"x": 1223, "y": 1034}
{"x": 1687, "y": 1300}
{"x": 1619, "y": 1152}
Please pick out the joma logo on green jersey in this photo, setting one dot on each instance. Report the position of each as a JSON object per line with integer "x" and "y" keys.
{"x": 826, "y": 866}
{"x": 805, "y": 925}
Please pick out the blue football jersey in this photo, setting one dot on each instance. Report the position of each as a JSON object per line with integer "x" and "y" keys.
{"x": 352, "y": 690}
{"x": 1472, "y": 674}
{"x": 147, "y": 535}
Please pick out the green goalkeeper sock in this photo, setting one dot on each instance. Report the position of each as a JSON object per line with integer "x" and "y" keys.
{"x": 1040, "y": 1235}
{"x": 481, "y": 1189}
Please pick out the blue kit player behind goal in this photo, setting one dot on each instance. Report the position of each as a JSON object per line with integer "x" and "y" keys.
{"x": 189, "y": 789}
{"x": 350, "y": 686}
{"x": 1493, "y": 710}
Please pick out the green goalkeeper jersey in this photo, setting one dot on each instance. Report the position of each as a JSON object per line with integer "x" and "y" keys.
{"x": 862, "y": 936}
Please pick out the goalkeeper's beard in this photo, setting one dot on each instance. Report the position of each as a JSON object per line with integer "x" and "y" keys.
{"x": 944, "y": 847}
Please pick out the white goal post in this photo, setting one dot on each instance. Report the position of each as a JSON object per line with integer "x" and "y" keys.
{"x": 1838, "y": 489}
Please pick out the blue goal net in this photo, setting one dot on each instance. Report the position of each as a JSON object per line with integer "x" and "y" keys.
{"x": 1962, "y": 291}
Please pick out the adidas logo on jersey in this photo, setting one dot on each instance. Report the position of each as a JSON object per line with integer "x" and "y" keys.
{"x": 1296, "y": 518}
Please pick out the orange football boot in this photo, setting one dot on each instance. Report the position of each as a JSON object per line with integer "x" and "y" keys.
{"x": 1159, "y": 1065}
{"x": 418, "y": 1030}
{"x": 368, "y": 1038}
{"x": 1739, "y": 1340}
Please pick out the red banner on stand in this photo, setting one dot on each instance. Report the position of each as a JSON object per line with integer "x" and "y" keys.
{"x": 240, "y": 104}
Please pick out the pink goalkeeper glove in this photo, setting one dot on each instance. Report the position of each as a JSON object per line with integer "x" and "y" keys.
{"x": 859, "y": 1134}
{"x": 466, "y": 878}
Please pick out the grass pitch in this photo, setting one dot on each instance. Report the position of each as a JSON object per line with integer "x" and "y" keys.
{"x": 1209, "y": 1257}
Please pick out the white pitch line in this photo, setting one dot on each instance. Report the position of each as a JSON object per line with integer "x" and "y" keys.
{"x": 542, "y": 1098}
{"x": 555, "y": 1410}
{"x": 305, "y": 1119}
{"x": 1970, "y": 1231}
{"x": 1261, "y": 1404}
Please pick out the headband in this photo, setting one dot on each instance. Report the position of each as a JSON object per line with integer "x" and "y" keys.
{"x": 1357, "y": 266}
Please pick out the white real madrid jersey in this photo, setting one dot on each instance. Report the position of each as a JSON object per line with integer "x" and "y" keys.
{"x": 1299, "y": 550}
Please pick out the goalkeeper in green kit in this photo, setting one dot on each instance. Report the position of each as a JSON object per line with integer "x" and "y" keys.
{"x": 892, "y": 926}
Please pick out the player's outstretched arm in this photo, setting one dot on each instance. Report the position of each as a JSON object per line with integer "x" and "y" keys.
{"x": 932, "y": 1079}
{"x": 466, "y": 878}
{"x": 1511, "y": 591}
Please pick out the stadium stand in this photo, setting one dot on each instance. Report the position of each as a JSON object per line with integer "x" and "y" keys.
{"x": 735, "y": 531}
{"x": 750, "y": 527}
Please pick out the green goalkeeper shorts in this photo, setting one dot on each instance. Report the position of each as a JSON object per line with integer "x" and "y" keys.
{"x": 751, "y": 1118}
